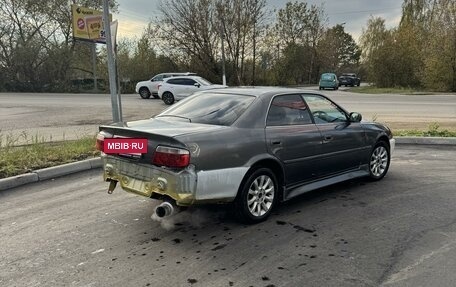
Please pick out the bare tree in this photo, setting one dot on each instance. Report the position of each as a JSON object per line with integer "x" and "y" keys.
{"x": 187, "y": 26}
{"x": 36, "y": 44}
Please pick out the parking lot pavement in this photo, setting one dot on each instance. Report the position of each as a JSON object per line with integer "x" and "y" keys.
{"x": 400, "y": 231}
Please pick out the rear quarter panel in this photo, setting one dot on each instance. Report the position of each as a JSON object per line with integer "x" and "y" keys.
{"x": 227, "y": 148}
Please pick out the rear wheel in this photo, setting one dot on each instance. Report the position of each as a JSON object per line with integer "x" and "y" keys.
{"x": 168, "y": 98}
{"x": 320, "y": 88}
{"x": 144, "y": 93}
{"x": 379, "y": 161}
{"x": 257, "y": 197}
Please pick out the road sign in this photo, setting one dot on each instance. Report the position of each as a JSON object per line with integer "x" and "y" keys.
{"x": 88, "y": 24}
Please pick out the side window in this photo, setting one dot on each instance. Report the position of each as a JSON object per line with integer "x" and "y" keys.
{"x": 175, "y": 81}
{"x": 157, "y": 78}
{"x": 189, "y": 82}
{"x": 323, "y": 110}
{"x": 288, "y": 110}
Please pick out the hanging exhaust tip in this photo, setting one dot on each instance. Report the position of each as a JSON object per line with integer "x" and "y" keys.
{"x": 165, "y": 209}
{"x": 112, "y": 186}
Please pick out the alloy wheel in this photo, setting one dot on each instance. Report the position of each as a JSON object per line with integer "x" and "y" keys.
{"x": 379, "y": 161}
{"x": 260, "y": 195}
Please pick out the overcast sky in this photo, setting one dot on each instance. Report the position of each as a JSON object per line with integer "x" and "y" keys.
{"x": 134, "y": 15}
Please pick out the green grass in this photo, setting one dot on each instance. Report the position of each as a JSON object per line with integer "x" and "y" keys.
{"x": 16, "y": 160}
{"x": 432, "y": 131}
{"x": 375, "y": 90}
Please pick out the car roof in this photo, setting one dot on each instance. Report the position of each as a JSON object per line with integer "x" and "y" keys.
{"x": 259, "y": 91}
{"x": 193, "y": 77}
{"x": 178, "y": 73}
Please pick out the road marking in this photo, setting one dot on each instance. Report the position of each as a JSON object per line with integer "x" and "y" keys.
{"x": 98, "y": 251}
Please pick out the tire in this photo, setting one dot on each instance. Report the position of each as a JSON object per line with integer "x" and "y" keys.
{"x": 336, "y": 88}
{"x": 168, "y": 98}
{"x": 359, "y": 84}
{"x": 320, "y": 88}
{"x": 262, "y": 191}
{"x": 144, "y": 93}
{"x": 379, "y": 161}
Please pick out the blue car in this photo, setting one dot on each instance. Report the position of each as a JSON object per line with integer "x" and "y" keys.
{"x": 329, "y": 81}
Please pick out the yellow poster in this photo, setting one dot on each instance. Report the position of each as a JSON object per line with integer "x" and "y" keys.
{"x": 88, "y": 24}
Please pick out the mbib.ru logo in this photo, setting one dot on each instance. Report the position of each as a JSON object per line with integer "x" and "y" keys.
{"x": 125, "y": 145}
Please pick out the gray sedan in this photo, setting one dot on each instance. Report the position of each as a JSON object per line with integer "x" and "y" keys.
{"x": 250, "y": 147}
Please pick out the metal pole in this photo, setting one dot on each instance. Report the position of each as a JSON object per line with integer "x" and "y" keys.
{"x": 222, "y": 36}
{"x": 115, "y": 99}
{"x": 94, "y": 65}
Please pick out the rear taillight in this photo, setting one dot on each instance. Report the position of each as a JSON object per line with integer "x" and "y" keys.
{"x": 171, "y": 157}
{"x": 100, "y": 140}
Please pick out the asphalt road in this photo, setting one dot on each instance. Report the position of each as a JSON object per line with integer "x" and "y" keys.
{"x": 400, "y": 231}
{"x": 69, "y": 116}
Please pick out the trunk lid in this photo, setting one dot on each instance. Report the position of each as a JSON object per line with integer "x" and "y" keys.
{"x": 157, "y": 132}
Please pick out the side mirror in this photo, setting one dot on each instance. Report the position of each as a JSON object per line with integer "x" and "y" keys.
{"x": 355, "y": 117}
{"x": 197, "y": 85}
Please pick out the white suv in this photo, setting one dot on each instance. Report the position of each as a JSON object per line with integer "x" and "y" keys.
{"x": 147, "y": 88}
{"x": 177, "y": 88}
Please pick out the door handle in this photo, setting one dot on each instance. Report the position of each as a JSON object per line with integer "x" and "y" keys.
{"x": 327, "y": 138}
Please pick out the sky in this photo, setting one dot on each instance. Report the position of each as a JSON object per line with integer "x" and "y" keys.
{"x": 134, "y": 15}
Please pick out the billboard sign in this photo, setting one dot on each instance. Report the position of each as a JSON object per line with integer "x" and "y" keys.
{"x": 88, "y": 24}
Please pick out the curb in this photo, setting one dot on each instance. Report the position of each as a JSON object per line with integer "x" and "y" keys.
{"x": 88, "y": 164}
{"x": 426, "y": 140}
{"x": 48, "y": 173}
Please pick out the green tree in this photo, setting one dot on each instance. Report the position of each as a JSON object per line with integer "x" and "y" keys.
{"x": 440, "y": 59}
{"x": 373, "y": 38}
{"x": 338, "y": 51}
{"x": 298, "y": 24}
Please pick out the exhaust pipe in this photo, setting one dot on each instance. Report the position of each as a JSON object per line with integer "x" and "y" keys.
{"x": 165, "y": 209}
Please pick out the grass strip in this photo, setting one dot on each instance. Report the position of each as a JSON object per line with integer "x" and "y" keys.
{"x": 15, "y": 160}
{"x": 432, "y": 131}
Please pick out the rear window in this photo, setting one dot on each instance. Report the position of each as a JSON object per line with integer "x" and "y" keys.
{"x": 205, "y": 82}
{"x": 212, "y": 109}
{"x": 327, "y": 77}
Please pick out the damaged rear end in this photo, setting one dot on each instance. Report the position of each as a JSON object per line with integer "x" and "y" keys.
{"x": 164, "y": 172}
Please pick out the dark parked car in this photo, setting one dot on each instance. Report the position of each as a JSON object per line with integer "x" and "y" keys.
{"x": 253, "y": 147}
{"x": 349, "y": 79}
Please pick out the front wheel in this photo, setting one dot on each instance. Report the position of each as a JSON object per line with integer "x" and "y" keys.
{"x": 144, "y": 93}
{"x": 379, "y": 161}
{"x": 257, "y": 197}
{"x": 168, "y": 98}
